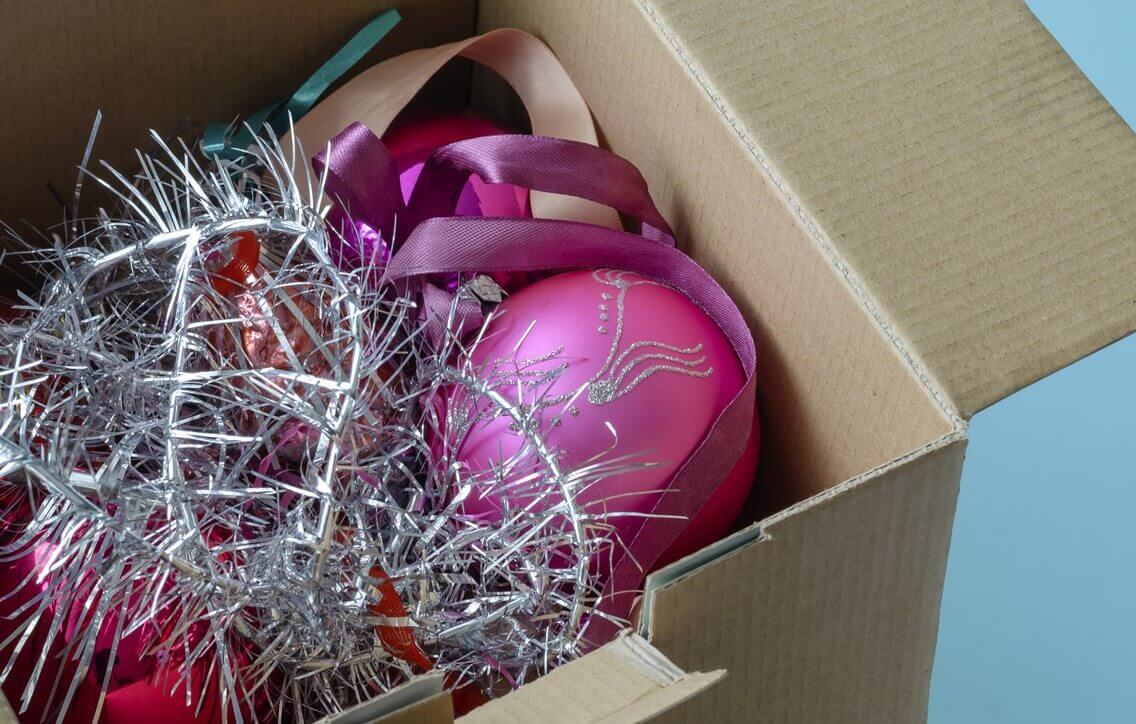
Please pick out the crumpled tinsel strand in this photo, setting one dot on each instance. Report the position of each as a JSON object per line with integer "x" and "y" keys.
{"x": 245, "y": 520}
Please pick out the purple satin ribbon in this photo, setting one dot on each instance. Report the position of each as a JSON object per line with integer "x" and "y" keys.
{"x": 360, "y": 178}
{"x": 539, "y": 164}
{"x": 441, "y": 243}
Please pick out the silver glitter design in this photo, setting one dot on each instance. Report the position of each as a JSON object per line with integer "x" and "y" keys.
{"x": 531, "y": 377}
{"x": 610, "y": 382}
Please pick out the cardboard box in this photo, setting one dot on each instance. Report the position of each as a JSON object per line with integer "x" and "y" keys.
{"x": 921, "y": 207}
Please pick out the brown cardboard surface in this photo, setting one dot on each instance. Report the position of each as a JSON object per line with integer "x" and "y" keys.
{"x": 626, "y": 680}
{"x": 980, "y": 191}
{"x": 836, "y": 396}
{"x": 832, "y": 615}
{"x": 423, "y": 699}
{"x": 152, "y": 65}
{"x": 7, "y": 716}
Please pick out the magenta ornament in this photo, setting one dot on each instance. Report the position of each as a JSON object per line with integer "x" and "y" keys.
{"x": 618, "y": 367}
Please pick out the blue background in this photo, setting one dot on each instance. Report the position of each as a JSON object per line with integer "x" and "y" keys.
{"x": 1039, "y": 611}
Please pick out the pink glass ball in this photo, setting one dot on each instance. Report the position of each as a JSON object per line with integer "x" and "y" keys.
{"x": 412, "y": 140}
{"x": 644, "y": 359}
{"x": 417, "y": 135}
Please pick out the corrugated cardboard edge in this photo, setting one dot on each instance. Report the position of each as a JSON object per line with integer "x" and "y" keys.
{"x": 627, "y": 680}
{"x": 437, "y": 709}
{"x": 832, "y": 614}
{"x": 888, "y": 139}
{"x": 7, "y": 716}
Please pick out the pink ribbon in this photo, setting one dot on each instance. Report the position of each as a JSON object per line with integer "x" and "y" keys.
{"x": 440, "y": 243}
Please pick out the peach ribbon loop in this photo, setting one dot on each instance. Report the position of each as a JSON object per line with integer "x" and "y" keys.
{"x": 377, "y": 95}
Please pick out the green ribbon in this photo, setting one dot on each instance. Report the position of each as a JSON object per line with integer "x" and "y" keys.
{"x": 229, "y": 140}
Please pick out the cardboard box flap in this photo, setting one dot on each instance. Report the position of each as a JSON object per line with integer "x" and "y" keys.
{"x": 837, "y": 601}
{"x": 422, "y": 700}
{"x": 972, "y": 186}
{"x": 627, "y": 680}
{"x": 7, "y": 716}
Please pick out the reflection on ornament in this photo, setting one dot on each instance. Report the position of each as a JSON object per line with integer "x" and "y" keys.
{"x": 411, "y": 141}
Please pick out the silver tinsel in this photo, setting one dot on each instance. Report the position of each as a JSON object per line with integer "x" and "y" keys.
{"x": 241, "y": 518}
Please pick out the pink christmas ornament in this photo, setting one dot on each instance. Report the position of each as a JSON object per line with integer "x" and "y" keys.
{"x": 597, "y": 347}
{"x": 411, "y": 142}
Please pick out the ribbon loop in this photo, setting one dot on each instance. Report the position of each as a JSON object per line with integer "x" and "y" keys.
{"x": 538, "y": 163}
{"x": 555, "y": 107}
{"x": 363, "y": 182}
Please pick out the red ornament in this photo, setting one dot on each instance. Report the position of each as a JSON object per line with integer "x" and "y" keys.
{"x": 240, "y": 270}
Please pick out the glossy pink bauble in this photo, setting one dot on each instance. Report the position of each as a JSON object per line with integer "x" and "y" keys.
{"x": 645, "y": 359}
{"x": 415, "y": 136}
{"x": 412, "y": 140}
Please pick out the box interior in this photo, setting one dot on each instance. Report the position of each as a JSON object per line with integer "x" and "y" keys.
{"x": 836, "y": 397}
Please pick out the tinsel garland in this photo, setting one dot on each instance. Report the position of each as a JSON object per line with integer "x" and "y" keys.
{"x": 230, "y": 457}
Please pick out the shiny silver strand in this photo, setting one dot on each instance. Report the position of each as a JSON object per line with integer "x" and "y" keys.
{"x": 238, "y": 520}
